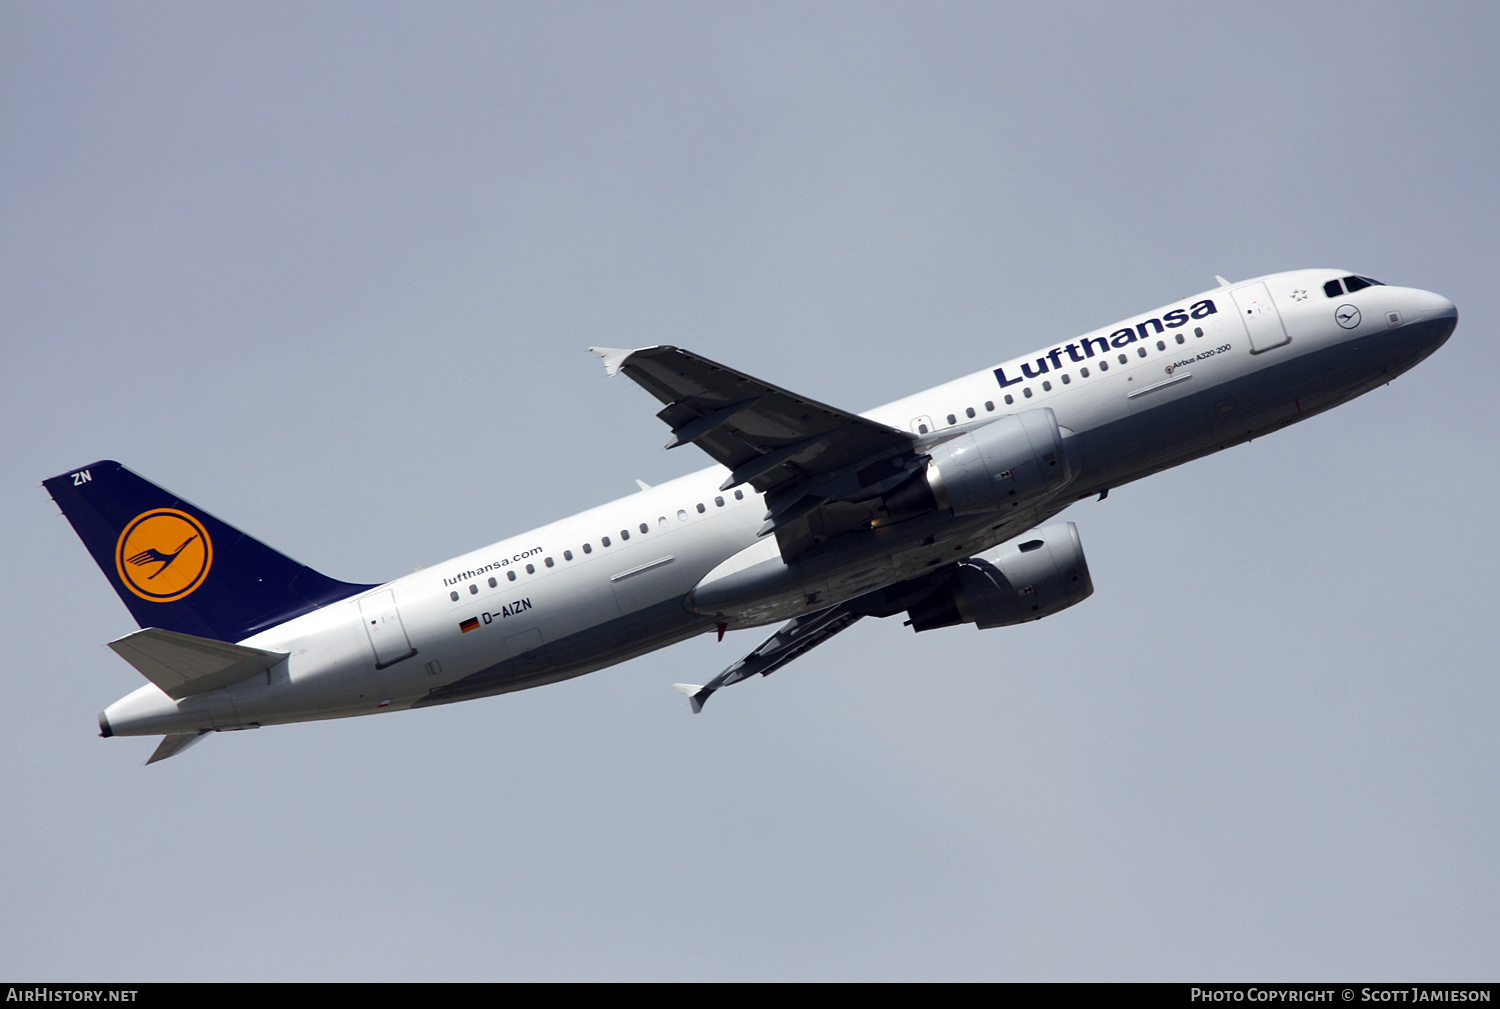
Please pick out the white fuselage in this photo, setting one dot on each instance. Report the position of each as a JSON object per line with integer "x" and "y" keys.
{"x": 617, "y": 581}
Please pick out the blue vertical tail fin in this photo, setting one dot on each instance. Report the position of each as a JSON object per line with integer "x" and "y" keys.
{"x": 179, "y": 568}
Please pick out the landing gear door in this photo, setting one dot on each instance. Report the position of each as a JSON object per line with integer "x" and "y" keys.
{"x": 1260, "y": 317}
{"x": 383, "y": 623}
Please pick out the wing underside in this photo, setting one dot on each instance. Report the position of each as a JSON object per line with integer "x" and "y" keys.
{"x": 794, "y": 638}
{"x": 801, "y": 635}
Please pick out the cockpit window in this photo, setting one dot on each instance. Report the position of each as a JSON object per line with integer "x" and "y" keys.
{"x": 1333, "y": 288}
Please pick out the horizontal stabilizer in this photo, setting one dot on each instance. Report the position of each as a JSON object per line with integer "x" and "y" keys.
{"x": 183, "y": 665}
{"x": 173, "y": 744}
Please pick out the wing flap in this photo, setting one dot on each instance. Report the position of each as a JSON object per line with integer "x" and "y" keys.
{"x": 183, "y": 665}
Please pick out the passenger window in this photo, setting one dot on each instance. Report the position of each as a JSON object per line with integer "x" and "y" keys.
{"x": 604, "y": 540}
{"x": 1009, "y": 399}
{"x": 718, "y": 502}
{"x": 989, "y": 405}
{"x": 624, "y": 535}
{"x": 1026, "y": 392}
{"x": 1103, "y": 365}
{"x": 493, "y": 583}
{"x": 453, "y": 595}
{"x": 681, "y": 515}
{"x": 1046, "y": 386}
{"x": 473, "y": 590}
{"x": 1065, "y": 379}
{"x": 1181, "y": 338}
{"x": 587, "y": 549}
{"x": 1084, "y": 372}
{"x": 511, "y": 575}
{"x": 921, "y": 429}
{"x": 567, "y": 555}
{"x": 1333, "y": 289}
{"x": 531, "y": 569}
{"x": 970, "y": 411}
{"x": 1140, "y": 351}
{"x": 1161, "y": 345}
{"x": 645, "y": 528}
{"x": 548, "y": 562}
{"x": 1123, "y": 359}
{"x": 739, "y": 495}
{"x": 701, "y": 509}
{"x": 1197, "y": 330}
{"x": 952, "y": 419}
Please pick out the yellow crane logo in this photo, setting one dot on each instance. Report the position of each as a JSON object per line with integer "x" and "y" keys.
{"x": 163, "y": 555}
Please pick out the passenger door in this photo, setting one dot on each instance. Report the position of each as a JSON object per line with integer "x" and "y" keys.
{"x": 1260, "y": 317}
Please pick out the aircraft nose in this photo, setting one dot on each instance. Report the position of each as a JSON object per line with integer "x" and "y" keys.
{"x": 1434, "y": 307}
{"x": 1432, "y": 318}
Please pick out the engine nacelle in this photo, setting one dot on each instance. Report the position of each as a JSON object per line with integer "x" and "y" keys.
{"x": 1029, "y": 578}
{"x": 1004, "y": 464}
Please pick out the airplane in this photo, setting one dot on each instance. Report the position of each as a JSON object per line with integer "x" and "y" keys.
{"x": 938, "y": 506}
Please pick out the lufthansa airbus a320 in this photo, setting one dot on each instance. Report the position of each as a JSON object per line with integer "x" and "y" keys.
{"x": 940, "y": 506}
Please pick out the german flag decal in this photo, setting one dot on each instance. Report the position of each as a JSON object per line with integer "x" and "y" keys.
{"x": 469, "y": 624}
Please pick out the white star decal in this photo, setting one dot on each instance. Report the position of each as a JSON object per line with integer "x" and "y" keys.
{"x": 1299, "y": 295}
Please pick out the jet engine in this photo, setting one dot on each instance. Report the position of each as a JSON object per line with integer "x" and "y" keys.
{"x": 1004, "y": 464}
{"x": 1029, "y": 578}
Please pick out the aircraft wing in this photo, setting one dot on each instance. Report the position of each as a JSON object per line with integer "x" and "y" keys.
{"x": 793, "y": 638}
{"x": 804, "y": 455}
{"x": 801, "y": 634}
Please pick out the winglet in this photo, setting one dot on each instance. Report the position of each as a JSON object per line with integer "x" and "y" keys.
{"x": 614, "y": 357}
{"x": 1221, "y": 280}
{"x": 696, "y": 694}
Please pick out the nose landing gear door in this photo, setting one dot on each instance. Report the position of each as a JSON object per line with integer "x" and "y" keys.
{"x": 1260, "y": 317}
{"x": 387, "y": 634}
